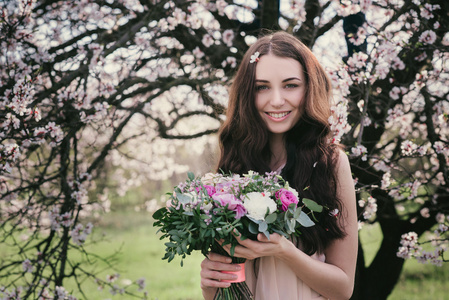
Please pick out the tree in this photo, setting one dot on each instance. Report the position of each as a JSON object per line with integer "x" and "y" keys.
{"x": 91, "y": 84}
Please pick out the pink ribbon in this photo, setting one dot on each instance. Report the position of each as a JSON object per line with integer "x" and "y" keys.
{"x": 240, "y": 274}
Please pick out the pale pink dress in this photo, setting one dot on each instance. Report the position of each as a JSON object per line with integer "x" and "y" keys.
{"x": 272, "y": 279}
{"x": 275, "y": 280}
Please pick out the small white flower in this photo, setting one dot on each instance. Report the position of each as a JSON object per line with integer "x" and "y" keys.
{"x": 254, "y": 57}
{"x": 334, "y": 213}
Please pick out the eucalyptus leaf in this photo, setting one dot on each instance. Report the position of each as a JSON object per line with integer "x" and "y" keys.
{"x": 304, "y": 220}
{"x": 184, "y": 198}
{"x": 263, "y": 226}
{"x": 312, "y": 205}
{"x": 253, "y": 228}
{"x": 271, "y": 218}
{"x": 190, "y": 175}
{"x": 297, "y": 212}
{"x": 291, "y": 225}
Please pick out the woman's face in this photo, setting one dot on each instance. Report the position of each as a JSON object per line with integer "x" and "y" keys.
{"x": 280, "y": 89}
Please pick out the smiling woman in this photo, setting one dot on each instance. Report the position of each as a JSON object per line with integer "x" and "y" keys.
{"x": 277, "y": 120}
{"x": 280, "y": 92}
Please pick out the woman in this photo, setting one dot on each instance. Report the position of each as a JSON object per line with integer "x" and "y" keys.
{"x": 277, "y": 120}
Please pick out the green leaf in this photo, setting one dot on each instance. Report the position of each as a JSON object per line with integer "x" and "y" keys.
{"x": 312, "y": 205}
{"x": 232, "y": 250}
{"x": 158, "y": 214}
{"x": 184, "y": 198}
{"x": 271, "y": 218}
{"x": 170, "y": 245}
{"x": 291, "y": 225}
{"x": 297, "y": 212}
{"x": 190, "y": 175}
{"x": 263, "y": 226}
{"x": 304, "y": 220}
{"x": 253, "y": 228}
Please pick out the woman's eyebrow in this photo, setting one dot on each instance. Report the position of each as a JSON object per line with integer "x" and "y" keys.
{"x": 287, "y": 79}
{"x": 291, "y": 78}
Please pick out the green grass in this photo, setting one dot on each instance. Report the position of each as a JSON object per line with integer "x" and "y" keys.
{"x": 417, "y": 281}
{"x": 140, "y": 256}
{"x": 141, "y": 251}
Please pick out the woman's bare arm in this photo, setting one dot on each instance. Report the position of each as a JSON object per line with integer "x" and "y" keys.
{"x": 333, "y": 278}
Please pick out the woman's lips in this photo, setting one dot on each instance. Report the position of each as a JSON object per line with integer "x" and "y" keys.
{"x": 278, "y": 116}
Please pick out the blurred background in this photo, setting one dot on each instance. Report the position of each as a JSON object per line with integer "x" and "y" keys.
{"x": 105, "y": 106}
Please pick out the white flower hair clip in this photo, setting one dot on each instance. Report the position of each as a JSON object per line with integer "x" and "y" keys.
{"x": 254, "y": 57}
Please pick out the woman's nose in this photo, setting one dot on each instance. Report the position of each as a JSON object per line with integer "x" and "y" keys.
{"x": 277, "y": 99}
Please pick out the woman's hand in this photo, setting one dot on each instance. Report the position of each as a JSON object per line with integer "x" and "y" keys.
{"x": 211, "y": 273}
{"x": 250, "y": 249}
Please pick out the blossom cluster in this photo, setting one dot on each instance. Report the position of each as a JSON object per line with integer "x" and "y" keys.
{"x": 370, "y": 207}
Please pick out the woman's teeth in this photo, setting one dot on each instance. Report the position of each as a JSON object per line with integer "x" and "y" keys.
{"x": 278, "y": 115}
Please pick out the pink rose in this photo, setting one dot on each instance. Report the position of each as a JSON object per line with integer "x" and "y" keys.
{"x": 287, "y": 197}
{"x": 209, "y": 189}
{"x": 232, "y": 202}
{"x": 240, "y": 211}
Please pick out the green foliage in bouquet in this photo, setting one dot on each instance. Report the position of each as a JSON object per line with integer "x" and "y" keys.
{"x": 217, "y": 207}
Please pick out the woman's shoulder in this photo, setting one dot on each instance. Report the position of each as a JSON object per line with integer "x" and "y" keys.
{"x": 342, "y": 162}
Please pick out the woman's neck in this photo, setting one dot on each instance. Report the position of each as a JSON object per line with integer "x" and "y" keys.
{"x": 278, "y": 151}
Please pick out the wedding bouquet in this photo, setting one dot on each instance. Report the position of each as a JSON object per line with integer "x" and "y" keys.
{"x": 216, "y": 207}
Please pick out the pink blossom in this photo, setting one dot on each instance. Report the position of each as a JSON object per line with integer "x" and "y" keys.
{"x": 232, "y": 203}
{"x": 209, "y": 189}
{"x": 394, "y": 93}
{"x": 287, "y": 197}
{"x": 207, "y": 40}
{"x": 360, "y": 151}
{"x": 408, "y": 148}
{"x": 228, "y": 36}
{"x": 198, "y": 53}
{"x": 428, "y": 37}
{"x": 398, "y": 64}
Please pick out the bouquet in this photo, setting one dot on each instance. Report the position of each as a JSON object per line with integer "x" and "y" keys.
{"x": 218, "y": 206}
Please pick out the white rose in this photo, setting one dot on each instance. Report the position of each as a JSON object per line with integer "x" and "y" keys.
{"x": 257, "y": 205}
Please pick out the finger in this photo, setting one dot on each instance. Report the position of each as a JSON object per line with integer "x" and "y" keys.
{"x": 214, "y": 283}
{"x": 219, "y": 258}
{"x": 208, "y": 265}
{"x": 274, "y": 238}
{"x": 209, "y": 275}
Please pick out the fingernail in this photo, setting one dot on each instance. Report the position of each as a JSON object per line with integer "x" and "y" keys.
{"x": 237, "y": 268}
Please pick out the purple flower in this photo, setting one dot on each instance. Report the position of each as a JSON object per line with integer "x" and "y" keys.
{"x": 287, "y": 197}
{"x": 232, "y": 202}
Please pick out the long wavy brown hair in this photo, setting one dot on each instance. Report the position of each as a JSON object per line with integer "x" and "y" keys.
{"x": 311, "y": 159}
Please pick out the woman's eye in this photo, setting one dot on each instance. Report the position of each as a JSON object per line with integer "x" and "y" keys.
{"x": 261, "y": 87}
{"x": 291, "y": 86}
